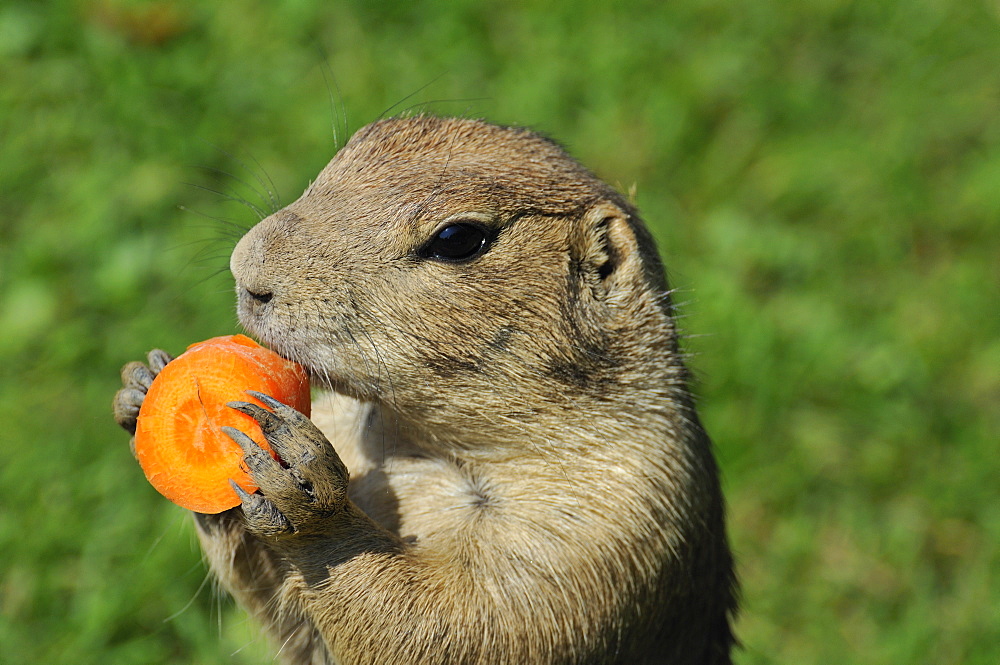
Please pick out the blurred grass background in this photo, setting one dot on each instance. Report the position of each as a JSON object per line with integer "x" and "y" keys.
{"x": 824, "y": 178}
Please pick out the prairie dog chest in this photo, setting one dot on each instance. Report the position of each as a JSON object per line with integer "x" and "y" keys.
{"x": 408, "y": 494}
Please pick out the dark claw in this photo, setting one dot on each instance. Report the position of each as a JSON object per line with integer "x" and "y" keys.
{"x": 268, "y": 421}
{"x": 262, "y": 516}
{"x": 266, "y": 471}
{"x": 250, "y": 409}
{"x": 245, "y": 496}
{"x": 280, "y": 408}
{"x": 267, "y": 400}
{"x": 248, "y": 445}
{"x": 262, "y": 466}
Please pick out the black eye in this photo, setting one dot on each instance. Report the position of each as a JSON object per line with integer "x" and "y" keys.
{"x": 461, "y": 241}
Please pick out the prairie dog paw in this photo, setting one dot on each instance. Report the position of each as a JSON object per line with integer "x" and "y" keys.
{"x": 136, "y": 379}
{"x": 302, "y": 490}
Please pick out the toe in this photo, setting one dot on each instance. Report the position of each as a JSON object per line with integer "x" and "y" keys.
{"x": 158, "y": 359}
{"x": 262, "y": 516}
{"x": 137, "y": 375}
{"x": 126, "y": 407}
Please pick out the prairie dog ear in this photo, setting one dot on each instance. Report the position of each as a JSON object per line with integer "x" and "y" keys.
{"x": 611, "y": 255}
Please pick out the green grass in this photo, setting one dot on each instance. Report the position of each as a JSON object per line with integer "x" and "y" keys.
{"x": 824, "y": 178}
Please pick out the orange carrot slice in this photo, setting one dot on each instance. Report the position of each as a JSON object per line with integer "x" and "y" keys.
{"x": 178, "y": 440}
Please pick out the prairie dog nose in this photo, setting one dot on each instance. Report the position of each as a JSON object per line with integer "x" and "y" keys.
{"x": 256, "y": 259}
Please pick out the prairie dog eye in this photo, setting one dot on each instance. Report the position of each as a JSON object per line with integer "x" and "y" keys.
{"x": 457, "y": 242}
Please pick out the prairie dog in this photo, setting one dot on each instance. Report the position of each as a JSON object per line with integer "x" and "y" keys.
{"x": 508, "y": 467}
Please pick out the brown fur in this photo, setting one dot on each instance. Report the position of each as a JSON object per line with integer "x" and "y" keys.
{"x": 529, "y": 481}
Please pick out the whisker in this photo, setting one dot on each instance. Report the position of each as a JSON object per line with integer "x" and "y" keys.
{"x": 336, "y": 114}
{"x": 445, "y": 100}
{"x": 389, "y": 110}
{"x": 259, "y": 212}
{"x": 269, "y": 196}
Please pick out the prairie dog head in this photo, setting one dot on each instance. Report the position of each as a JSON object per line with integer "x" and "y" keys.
{"x": 459, "y": 273}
